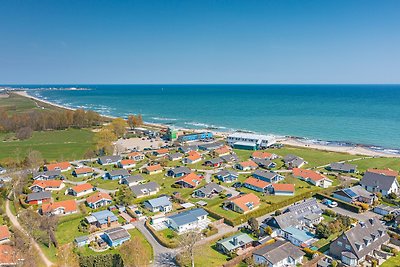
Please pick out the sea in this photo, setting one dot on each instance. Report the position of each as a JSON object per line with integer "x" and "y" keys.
{"x": 357, "y": 114}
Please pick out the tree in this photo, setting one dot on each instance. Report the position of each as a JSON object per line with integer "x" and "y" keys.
{"x": 187, "y": 243}
{"x": 124, "y": 196}
{"x": 34, "y": 159}
{"x": 134, "y": 254}
{"x": 104, "y": 139}
{"x": 268, "y": 230}
{"x": 278, "y": 212}
{"x": 135, "y": 121}
{"x": 118, "y": 126}
{"x": 255, "y": 228}
{"x": 24, "y": 133}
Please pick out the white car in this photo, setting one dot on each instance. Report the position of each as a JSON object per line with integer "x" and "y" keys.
{"x": 333, "y": 204}
{"x": 2, "y": 170}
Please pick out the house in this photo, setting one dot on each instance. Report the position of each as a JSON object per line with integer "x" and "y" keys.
{"x": 355, "y": 194}
{"x": 227, "y": 176}
{"x": 249, "y": 140}
{"x": 81, "y": 190}
{"x": 127, "y": 163}
{"x": 387, "y": 172}
{"x": 208, "y": 191}
{"x": 116, "y": 174}
{"x": 280, "y": 253}
{"x": 82, "y": 172}
{"x": 153, "y": 169}
{"x": 136, "y": 156}
{"x": 98, "y": 199}
{"x": 10, "y": 256}
{"x": 215, "y": 162}
{"x": 102, "y": 219}
{"x": 270, "y": 177}
{"x": 175, "y": 156}
{"x": 386, "y": 210}
{"x": 132, "y": 180}
{"x": 46, "y": 175}
{"x": 116, "y": 236}
{"x": 382, "y": 181}
{"x": 355, "y": 244}
{"x": 192, "y": 158}
{"x": 61, "y": 166}
{"x": 263, "y": 155}
{"x": 232, "y": 244}
{"x": 283, "y": 189}
{"x": 179, "y": 172}
{"x": 342, "y": 167}
{"x": 65, "y": 207}
{"x": 195, "y": 219}
{"x": 190, "y": 180}
{"x": 5, "y": 234}
{"x": 256, "y": 184}
{"x": 298, "y": 237}
{"x": 47, "y": 185}
{"x": 265, "y": 163}
{"x": 246, "y": 165}
{"x": 293, "y": 161}
{"x": 161, "y": 152}
{"x": 38, "y": 198}
{"x": 243, "y": 203}
{"x": 187, "y": 149}
{"x": 230, "y": 158}
{"x": 160, "y": 204}
{"x": 222, "y": 151}
{"x": 148, "y": 189}
{"x": 211, "y": 146}
{"x": 109, "y": 160}
{"x": 195, "y": 137}
{"x": 81, "y": 241}
{"x": 312, "y": 177}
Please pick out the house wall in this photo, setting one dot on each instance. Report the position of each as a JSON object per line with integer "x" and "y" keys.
{"x": 283, "y": 193}
{"x": 255, "y": 188}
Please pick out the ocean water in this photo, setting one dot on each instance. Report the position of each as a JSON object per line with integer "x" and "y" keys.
{"x": 362, "y": 114}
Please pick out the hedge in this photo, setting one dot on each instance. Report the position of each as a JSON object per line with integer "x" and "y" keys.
{"x": 341, "y": 203}
{"x": 106, "y": 260}
{"x": 164, "y": 242}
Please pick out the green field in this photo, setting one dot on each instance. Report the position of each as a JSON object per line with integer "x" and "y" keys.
{"x": 68, "y": 230}
{"x": 392, "y": 262}
{"x": 16, "y": 104}
{"x": 54, "y": 145}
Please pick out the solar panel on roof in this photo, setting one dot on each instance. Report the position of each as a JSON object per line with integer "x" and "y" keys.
{"x": 349, "y": 192}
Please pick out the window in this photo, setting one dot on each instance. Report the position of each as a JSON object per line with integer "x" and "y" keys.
{"x": 339, "y": 243}
{"x": 348, "y": 247}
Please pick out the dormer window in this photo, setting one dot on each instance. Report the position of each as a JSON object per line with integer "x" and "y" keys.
{"x": 359, "y": 246}
{"x": 374, "y": 236}
{"x": 367, "y": 241}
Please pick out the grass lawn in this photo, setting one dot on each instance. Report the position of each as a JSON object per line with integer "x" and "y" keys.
{"x": 17, "y": 104}
{"x": 380, "y": 163}
{"x": 51, "y": 252}
{"x": 392, "y": 262}
{"x": 54, "y": 145}
{"x": 136, "y": 233}
{"x": 105, "y": 183}
{"x": 68, "y": 230}
{"x": 207, "y": 255}
{"x": 327, "y": 218}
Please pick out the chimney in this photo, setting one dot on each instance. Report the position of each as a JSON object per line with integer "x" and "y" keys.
{"x": 235, "y": 241}
{"x": 108, "y": 221}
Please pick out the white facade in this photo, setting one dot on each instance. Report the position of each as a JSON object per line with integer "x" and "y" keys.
{"x": 289, "y": 261}
{"x": 260, "y": 140}
{"x": 201, "y": 223}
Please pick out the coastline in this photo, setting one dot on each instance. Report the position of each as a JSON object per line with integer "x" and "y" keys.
{"x": 352, "y": 149}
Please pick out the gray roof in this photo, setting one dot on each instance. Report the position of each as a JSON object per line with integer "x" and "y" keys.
{"x": 230, "y": 158}
{"x": 387, "y": 208}
{"x": 186, "y": 149}
{"x": 211, "y": 146}
{"x": 210, "y": 187}
{"x": 293, "y": 160}
{"x": 117, "y": 233}
{"x": 363, "y": 231}
{"x": 103, "y": 216}
{"x": 159, "y": 202}
{"x": 47, "y": 173}
{"x": 226, "y": 173}
{"x": 185, "y": 170}
{"x": 265, "y": 174}
{"x": 376, "y": 180}
{"x": 235, "y": 241}
{"x": 110, "y": 158}
{"x": 81, "y": 238}
{"x": 134, "y": 178}
{"x": 38, "y": 196}
{"x": 119, "y": 172}
{"x": 176, "y": 155}
{"x": 262, "y": 162}
{"x": 189, "y": 216}
{"x": 138, "y": 189}
{"x": 337, "y": 166}
{"x": 358, "y": 190}
{"x": 278, "y": 251}
{"x": 215, "y": 160}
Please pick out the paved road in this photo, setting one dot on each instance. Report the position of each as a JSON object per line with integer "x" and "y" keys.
{"x": 358, "y": 216}
{"x": 16, "y": 224}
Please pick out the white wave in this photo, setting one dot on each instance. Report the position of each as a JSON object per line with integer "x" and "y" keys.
{"x": 163, "y": 119}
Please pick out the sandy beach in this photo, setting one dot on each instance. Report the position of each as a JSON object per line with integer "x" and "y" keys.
{"x": 290, "y": 141}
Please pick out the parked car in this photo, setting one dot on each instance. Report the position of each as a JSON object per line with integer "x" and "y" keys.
{"x": 237, "y": 185}
{"x": 2, "y": 170}
{"x": 330, "y": 203}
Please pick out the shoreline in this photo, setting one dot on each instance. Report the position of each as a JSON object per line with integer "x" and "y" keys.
{"x": 353, "y": 149}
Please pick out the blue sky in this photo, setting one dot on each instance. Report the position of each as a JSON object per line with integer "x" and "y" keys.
{"x": 203, "y": 41}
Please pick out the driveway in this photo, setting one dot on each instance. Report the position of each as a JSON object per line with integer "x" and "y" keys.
{"x": 358, "y": 216}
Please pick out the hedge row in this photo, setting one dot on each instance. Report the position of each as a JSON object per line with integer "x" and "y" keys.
{"x": 262, "y": 211}
{"x": 106, "y": 260}
{"x": 163, "y": 241}
{"x": 341, "y": 203}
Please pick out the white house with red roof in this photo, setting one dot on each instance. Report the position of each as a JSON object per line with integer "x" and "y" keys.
{"x": 127, "y": 163}
{"x": 61, "y": 166}
{"x": 47, "y": 185}
{"x": 243, "y": 203}
{"x": 59, "y": 208}
{"x": 190, "y": 180}
{"x": 81, "y": 190}
{"x": 312, "y": 177}
{"x": 98, "y": 199}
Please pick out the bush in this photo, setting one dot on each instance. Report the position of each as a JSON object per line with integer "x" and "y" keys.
{"x": 105, "y": 260}
{"x": 24, "y": 133}
{"x": 330, "y": 213}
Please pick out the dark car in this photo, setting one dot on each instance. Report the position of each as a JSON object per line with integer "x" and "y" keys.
{"x": 237, "y": 185}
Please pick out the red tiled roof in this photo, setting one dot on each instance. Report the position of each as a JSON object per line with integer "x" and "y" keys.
{"x": 134, "y": 154}
{"x": 68, "y": 205}
{"x": 7, "y": 255}
{"x": 127, "y": 162}
{"x": 222, "y": 150}
{"x": 47, "y": 183}
{"x": 61, "y": 165}
{"x": 256, "y": 182}
{"x": 4, "y": 232}
{"x": 154, "y": 168}
{"x": 82, "y": 187}
{"x": 283, "y": 187}
{"x": 241, "y": 201}
{"x": 261, "y": 155}
{"x": 387, "y": 172}
{"x": 315, "y": 176}
{"x": 98, "y": 196}
{"x": 83, "y": 170}
{"x": 162, "y": 151}
{"x": 194, "y": 155}
{"x": 191, "y": 178}
{"x": 248, "y": 163}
